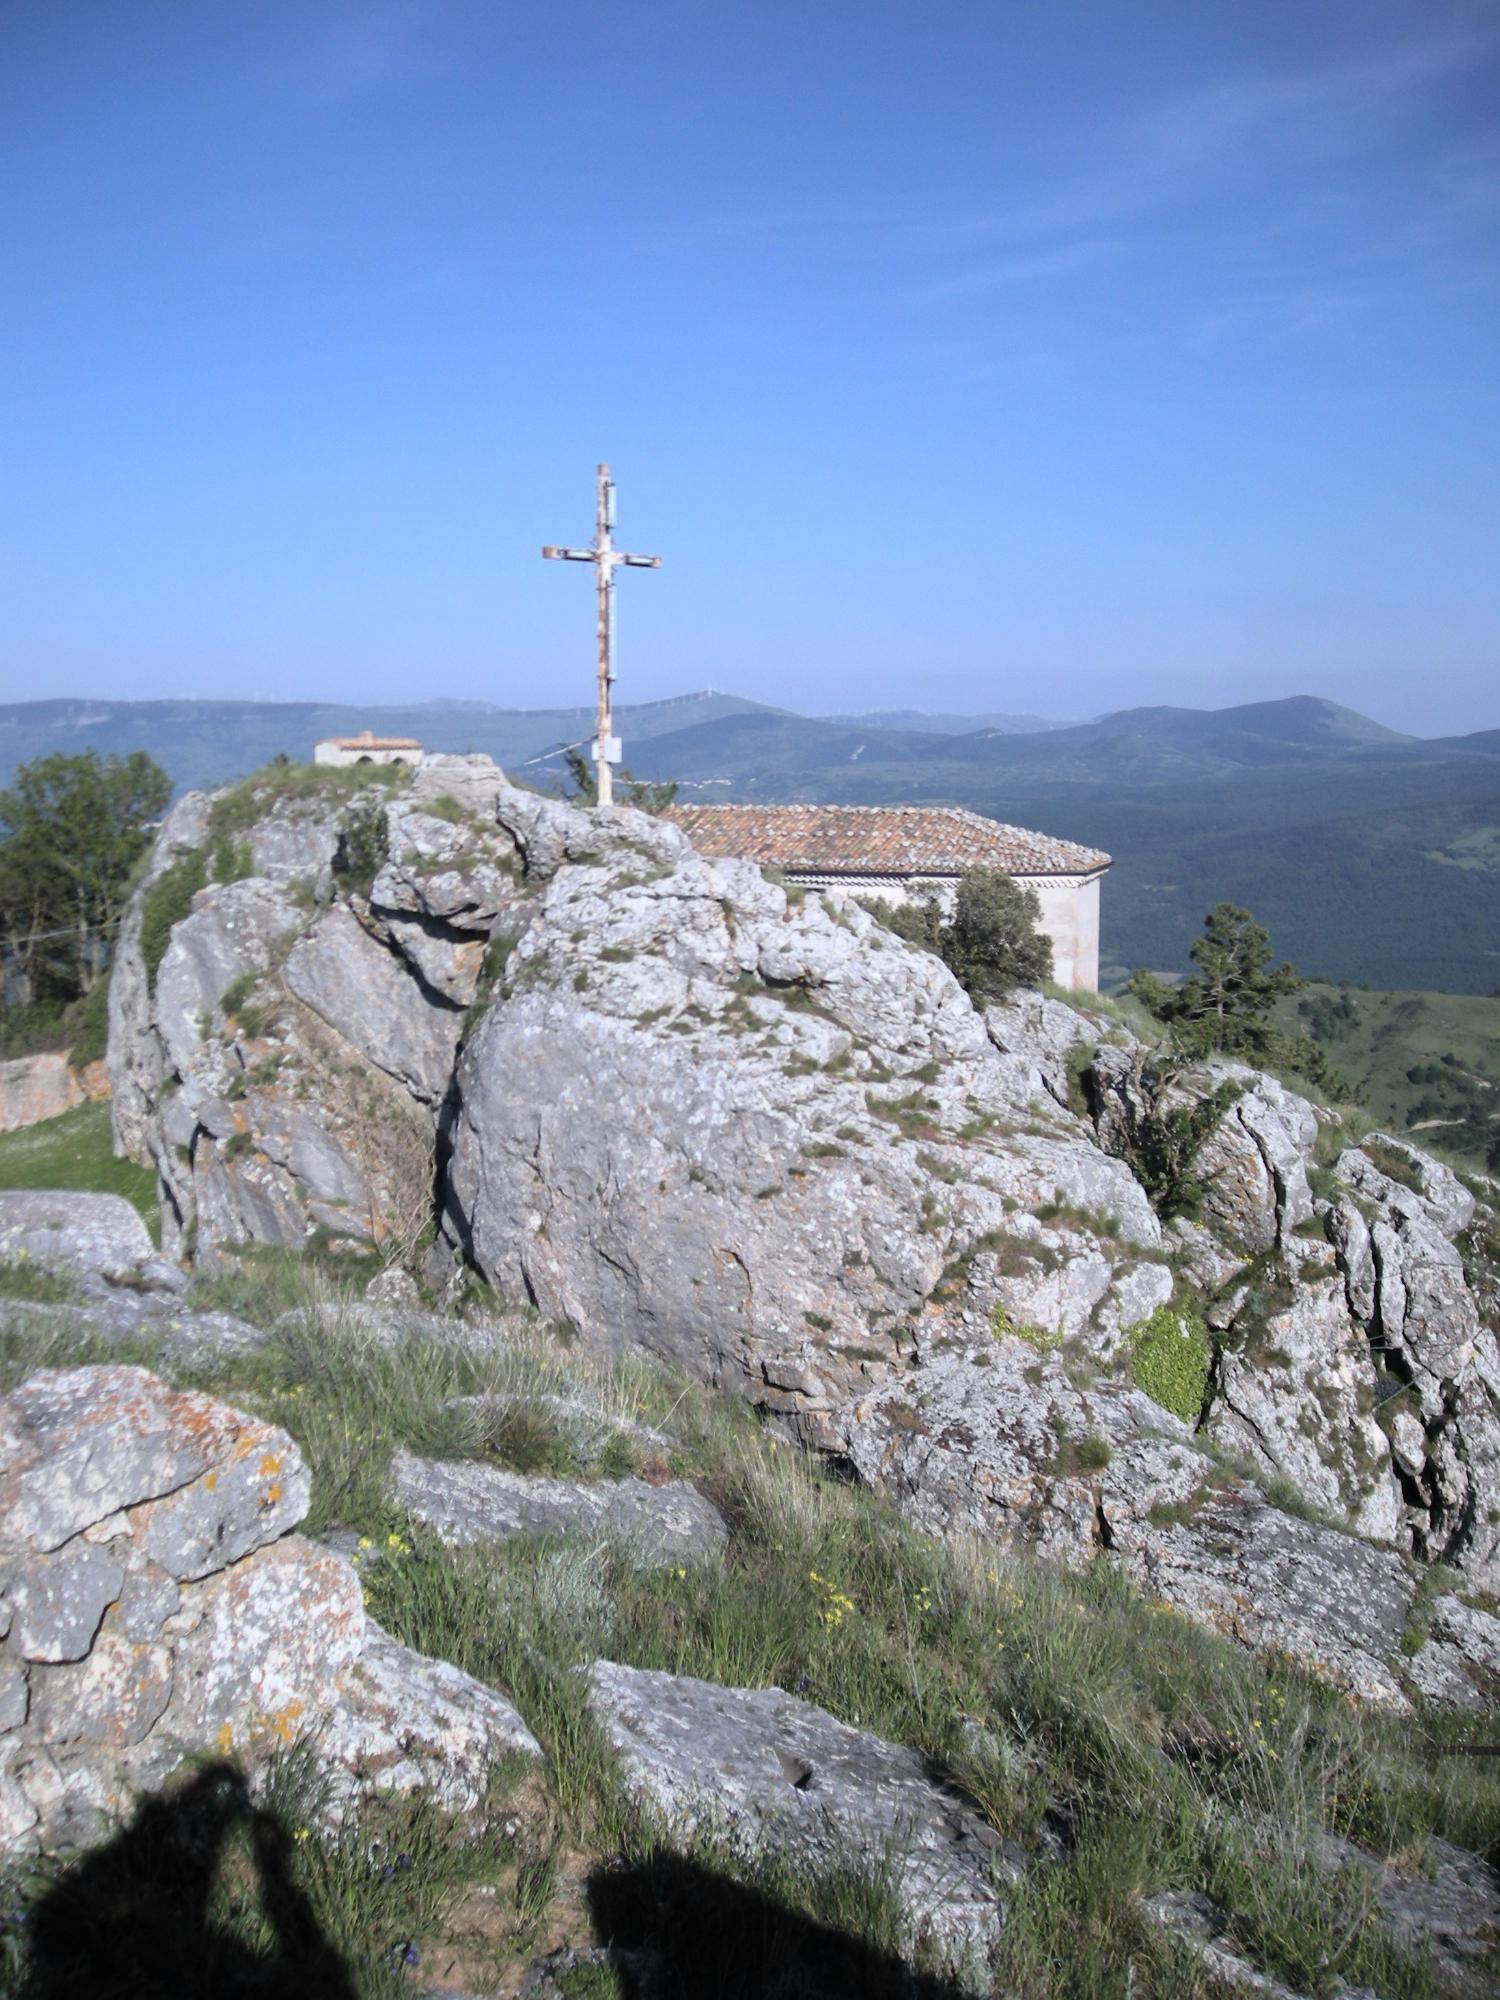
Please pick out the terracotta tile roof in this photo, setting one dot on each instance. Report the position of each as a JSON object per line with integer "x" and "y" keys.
{"x": 879, "y": 840}
{"x": 365, "y": 741}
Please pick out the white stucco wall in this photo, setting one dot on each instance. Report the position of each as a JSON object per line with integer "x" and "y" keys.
{"x": 1070, "y": 917}
{"x": 1070, "y": 912}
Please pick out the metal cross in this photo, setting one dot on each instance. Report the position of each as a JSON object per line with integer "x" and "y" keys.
{"x": 606, "y": 559}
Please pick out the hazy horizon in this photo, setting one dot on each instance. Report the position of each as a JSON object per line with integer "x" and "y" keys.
{"x": 631, "y": 700}
{"x": 1044, "y": 361}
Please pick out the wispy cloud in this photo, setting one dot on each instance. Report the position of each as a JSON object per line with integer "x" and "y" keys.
{"x": 369, "y": 51}
{"x": 1241, "y": 157}
{"x": 1276, "y": 313}
{"x": 813, "y": 222}
{"x": 1020, "y": 268}
{"x": 1334, "y": 109}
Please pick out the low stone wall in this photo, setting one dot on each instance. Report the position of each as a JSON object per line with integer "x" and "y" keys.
{"x": 36, "y": 1087}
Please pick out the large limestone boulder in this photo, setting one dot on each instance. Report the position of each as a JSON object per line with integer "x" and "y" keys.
{"x": 34, "y": 1088}
{"x": 96, "y": 1240}
{"x": 762, "y": 1137}
{"x": 155, "y": 1605}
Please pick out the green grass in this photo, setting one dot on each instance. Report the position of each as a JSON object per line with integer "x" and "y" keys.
{"x": 1425, "y": 1065}
{"x": 236, "y": 810}
{"x": 75, "y": 1151}
{"x": 1056, "y": 1702}
{"x": 23, "y": 1279}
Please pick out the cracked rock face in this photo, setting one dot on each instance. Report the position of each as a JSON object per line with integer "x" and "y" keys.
{"x": 682, "y": 1109}
{"x": 155, "y": 1605}
{"x": 286, "y": 1069}
{"x": 1299, "y": 1397}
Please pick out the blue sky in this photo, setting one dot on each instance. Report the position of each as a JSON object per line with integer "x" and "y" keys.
{"x": 986, "y": 356}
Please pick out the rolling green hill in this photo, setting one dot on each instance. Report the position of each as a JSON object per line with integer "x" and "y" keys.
{"x": 1424, "y": 1063}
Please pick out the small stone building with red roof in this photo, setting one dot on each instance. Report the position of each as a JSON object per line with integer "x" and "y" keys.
{"x": 367, "y": 748}
{"x": 900, "y": 852}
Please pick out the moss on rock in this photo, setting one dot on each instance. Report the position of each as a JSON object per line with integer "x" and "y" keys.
{"x": 1168, "y": 1358}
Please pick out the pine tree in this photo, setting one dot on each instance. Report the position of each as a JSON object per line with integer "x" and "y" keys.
{"x": 72, "y": 830}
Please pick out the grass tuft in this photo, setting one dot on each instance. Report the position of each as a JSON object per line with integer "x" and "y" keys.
{"x": 75, "y": 1151}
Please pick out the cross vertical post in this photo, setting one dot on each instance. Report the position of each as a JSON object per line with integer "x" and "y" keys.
{"x": 606, "y": 559}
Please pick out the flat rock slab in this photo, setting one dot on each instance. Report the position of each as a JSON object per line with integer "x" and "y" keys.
{"x": 88, "y": 1235}
{"x": 1279, "y": 1584}
{"x": 1202, "y": 1928}
{"x": 766, "y": 1777}
{"x": 1447, "y": 1911}
{"x": 389, "y": 1325}
{"x": 195, "y": 1483}
{"x": 466, "y": 1501}
{"x": 139, "y": 1320}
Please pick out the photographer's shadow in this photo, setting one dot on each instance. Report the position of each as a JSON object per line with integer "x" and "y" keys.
{"x": 133, "y": 1920}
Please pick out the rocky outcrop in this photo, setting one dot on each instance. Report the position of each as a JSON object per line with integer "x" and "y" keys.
{"x": 156, "y": 1605}
{"x": 137, "y": 1061}
{"x": 285, "y": 1065}
{"x": 772, "y": 1781}
{"x": 1354, "y": 1329}
{"x": 998, "y": 1441}
{"x": 683, "y": 1109}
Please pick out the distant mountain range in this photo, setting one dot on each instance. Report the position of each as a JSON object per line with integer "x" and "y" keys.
{"x": 209, "y": 742}
{"x": 1372, "y": 856}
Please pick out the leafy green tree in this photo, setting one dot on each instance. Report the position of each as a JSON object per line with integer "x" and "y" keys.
{"x": 993, "y": 940}
{"x": 919, "y": 921}
{"x": 72, "y": 830}
{"x": 1236, "y": 980}
{"x": 1227, "y": 1005}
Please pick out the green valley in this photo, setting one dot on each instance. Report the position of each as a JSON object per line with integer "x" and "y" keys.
{"x": 1425, "y": 1064}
